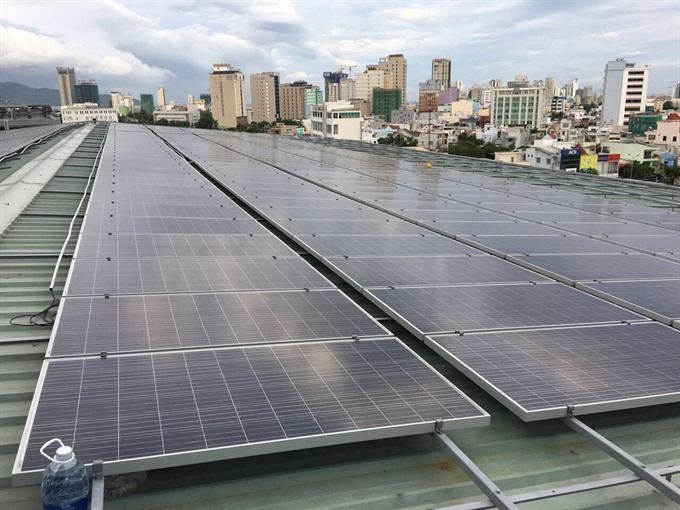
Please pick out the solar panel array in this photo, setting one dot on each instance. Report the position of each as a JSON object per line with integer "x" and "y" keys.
{"x": 454, "y": 286}
{"x": 188, "y": 332}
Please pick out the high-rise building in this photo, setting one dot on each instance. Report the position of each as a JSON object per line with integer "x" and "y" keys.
{"x": 228, "y": 95}
{"x": 372, "y": 78}
{"x": 190, "y": 99}
{"x": 265, "y": 97}
{"x": 441, "y": 72}
{"x": 66, "y": 80}
{"x": 384, "y": 101}
{"x": 625, "y": 91}
{"x": 161, "y": 97}
{"x": 331, "y": 81}
{"x": 86, "y": 91}
{"x": 297, "y": 99}
{"x": 395, "y": 64}
{"x": 517, "y": 106}
{"x": 570, "y": 88}
{"x": 551, "y": 86}
{"x": 347, "y": 89}
{"x": 147, "y": 103}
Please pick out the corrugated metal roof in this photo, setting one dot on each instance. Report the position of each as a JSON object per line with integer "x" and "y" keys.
{"x": 411, "y": 472}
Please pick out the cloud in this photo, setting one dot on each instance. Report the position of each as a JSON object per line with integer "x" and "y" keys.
{"x": 21, "y": 48}
{"x": 142, "y": 44}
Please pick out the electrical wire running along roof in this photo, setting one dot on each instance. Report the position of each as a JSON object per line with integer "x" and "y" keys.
{"x": 538, "y": 374}
{"x": 154, "y": 361}
{"x": 150, "y": 411}
{"x": 14, "y": 140}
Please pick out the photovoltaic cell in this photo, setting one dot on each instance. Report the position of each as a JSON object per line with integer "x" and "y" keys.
{"x": 97, "y": 277}
{"x": 168, "y": 409}
{"x": 538, "y": 373}
{"x": 434, "y": 310}
{"x": 186, "y": 321}
{"x": 418, "y": 271}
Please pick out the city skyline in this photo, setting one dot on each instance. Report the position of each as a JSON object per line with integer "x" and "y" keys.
{"x": 137, "y": 47}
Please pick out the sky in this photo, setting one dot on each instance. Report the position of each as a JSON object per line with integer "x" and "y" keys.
{"x": 136, "y": 46}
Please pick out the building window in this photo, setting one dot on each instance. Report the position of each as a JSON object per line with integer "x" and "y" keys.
{"x": 335, "y": 129}
{"x": 538, "y": 160}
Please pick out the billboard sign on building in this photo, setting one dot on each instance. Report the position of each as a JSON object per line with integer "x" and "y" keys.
{"x": 588, "y": 163}
{"x": 570, "y": 159}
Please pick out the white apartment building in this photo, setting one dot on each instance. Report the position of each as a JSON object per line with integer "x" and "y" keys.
{"x": 161, "y": 97}
{"x": 339, "y": 120}
{"x": 178, "y": 115}
{"x": 516, "y": 106}
{"x": 625, "y": 91}
{"x": 87, "y": 112}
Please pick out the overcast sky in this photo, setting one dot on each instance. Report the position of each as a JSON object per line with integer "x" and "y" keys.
{"x": 136, "y": 46}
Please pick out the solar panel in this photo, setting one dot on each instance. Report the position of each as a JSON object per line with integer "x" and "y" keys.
{"x": 325, "y": 213}
{"x": 377, "y": 245}
{"x": 472, "y": 228}
{"x": 657, "y": 299}
{"x": 180, "y": 245}
{"x": 159, "y": 410}
{"x": 649, "y": 244}
{"x": 364, "y": 272}
{"x": 90, "y": 325}
{"x": 511, "y": 244}
{"x": 574, "y": 268}
{"x": 350, "y": 227}
{"x": 173, "y": 275}
{"x": 613, "y": 229}
{"x": 432, "y": 310}
{"x": 559, "y": 217}
{"x": 159, "y": 225}
{"x": 537, "y": 374}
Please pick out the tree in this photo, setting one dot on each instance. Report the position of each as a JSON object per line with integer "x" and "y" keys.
{"x": 399, "y": 140}
{"x": 638, "y": 171}
{"x": 469, "y": 145}
{"x": 206, "y": 121}
{"x": 668, "y": 105}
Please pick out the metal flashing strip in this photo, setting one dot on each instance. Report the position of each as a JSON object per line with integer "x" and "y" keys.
{"x": 186, "y": 407}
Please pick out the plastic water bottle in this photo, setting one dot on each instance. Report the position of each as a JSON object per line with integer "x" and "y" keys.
{"x": 65, "y": 484}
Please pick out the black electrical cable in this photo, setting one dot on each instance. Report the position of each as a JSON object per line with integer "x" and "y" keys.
{"x": 45, "y": 317}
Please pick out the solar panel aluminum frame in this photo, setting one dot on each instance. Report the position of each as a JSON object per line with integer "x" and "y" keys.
{"x": 547, "y": 413}
{"x": 32, "y": 477}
